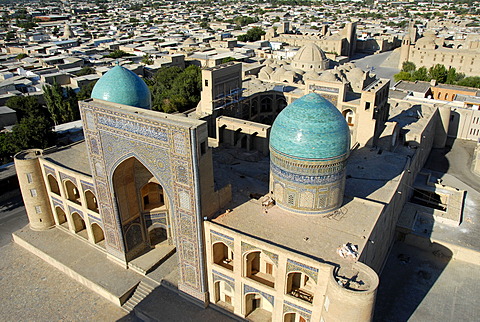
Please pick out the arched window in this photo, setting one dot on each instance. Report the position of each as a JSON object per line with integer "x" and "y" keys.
{"x": 53, "y": 183}
{"x": 255, "y": 302}
{"x": 98, "y": 235}
{"x": 152, "y": 196}
{"x": 260, "y": 268}
{"x": 300, "y": 286}
{"x": 91, "y": 201}
{"x": 61, "y": 216}
{"x": 266, "y": 105}
{"x": 72, "y": 191}
{"x": 348, "y": 115}
{"x": 224, "y": 295}
{"x": 79, "y": 225}
{"x": 223, "y": 255}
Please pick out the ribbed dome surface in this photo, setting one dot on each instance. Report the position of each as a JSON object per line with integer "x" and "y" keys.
{"x": 310, "y": 53}
{"x": 310, "y": 128}
{"x": 122, "y": 86}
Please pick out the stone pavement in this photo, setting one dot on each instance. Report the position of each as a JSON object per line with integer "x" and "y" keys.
{"x": 421, "y": 286}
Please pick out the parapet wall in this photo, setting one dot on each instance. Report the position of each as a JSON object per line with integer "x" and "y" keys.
{"x": 351, "y": 293}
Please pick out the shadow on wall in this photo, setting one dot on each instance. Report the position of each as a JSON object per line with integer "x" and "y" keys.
{"x": 437, "y": 161}
{"x": 407, "y": 278}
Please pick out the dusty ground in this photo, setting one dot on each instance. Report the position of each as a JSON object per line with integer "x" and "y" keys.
{"x": 420, "y": 286}
{"x": 32, "y": 290}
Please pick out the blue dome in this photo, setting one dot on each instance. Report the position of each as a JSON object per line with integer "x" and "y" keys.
{"x": 122, "y": 86}
{"x": 310, "y": 128}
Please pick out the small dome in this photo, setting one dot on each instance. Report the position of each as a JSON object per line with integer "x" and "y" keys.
{"x": 122, "y": 86}
{"x": 311, "y": 128}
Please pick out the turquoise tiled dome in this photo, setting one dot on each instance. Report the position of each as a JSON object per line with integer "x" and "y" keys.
{"x": 122, "y": 86}
{"x": 310, "y": 128}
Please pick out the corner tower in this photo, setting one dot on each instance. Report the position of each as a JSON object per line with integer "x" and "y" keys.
{"x": 309, "y": 147}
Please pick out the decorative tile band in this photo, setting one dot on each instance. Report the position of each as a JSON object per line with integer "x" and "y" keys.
{"x": 219, "y": 237}
{"x": 72, "y": 210}
{"x": 296, "y": 266}
{"x": 133, "y": 127}
{"x": 49, "y": 170}
{"x": 96, "y": 219}
{"x": 87, "y": 186}
{"x": 227, "y": 279}
{"x": 247, "y": 247}
{"x": 222, "y": 235}
{"x": 64, "y": 177}
{"x": 249, "y": 289}
{"x": 290, "y": 307}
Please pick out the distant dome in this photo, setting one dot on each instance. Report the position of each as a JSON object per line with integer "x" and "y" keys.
{"x": 310, "y": 53}
{"x": 310, "y": 57}
{"x": 122, "y": 86}
{"x": 312, "y": 128}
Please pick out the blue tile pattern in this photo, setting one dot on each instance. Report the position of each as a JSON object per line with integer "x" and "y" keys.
{"x": 311, "y": 128}
{"x": 122, "y": 86}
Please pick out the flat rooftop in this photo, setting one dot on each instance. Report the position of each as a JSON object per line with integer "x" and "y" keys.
{"x": 314, "y": 236}
{"x": 73, "y": 157}
{"x": 370, "y": 185}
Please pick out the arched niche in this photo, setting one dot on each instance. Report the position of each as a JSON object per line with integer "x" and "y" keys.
{"x": 72, "y": 191}
{"x": 98, "y": 235}
{"x": 91, "y": 201}
{"x": 223, "y": 255}
{"x": 138, "y": 194}
{"x": 53, "y": 184}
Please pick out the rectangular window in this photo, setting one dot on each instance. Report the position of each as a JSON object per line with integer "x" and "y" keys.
{"x": 38, "y": 209}
{"x": 269, "y": 268}
{"x": 206, "y": 83}
{"x": 228, "y": 299}
{"x": 33, "y": 192}
{"x": 203, "y": 148}
{"x": 146, "y": 200}
{"x": 367, "y": 105}
{"x": 29, "y": 178}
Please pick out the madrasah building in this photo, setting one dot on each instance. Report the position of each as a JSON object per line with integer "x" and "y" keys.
{"x": 276, "y": 201}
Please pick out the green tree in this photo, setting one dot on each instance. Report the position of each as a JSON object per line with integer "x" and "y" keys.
{"x": 408, "y": 67}
{"x": 405, "y": 76}
{"x": 147, "y": 59}
{"x": 472, "y": 81}
{"x": 21, "y": 56}
{"x": 174, "y": 89}
{"x": 452, "y": 76}
{"x": 86, "y": 91}
{"x": 86, "y": 70}
{"x": 62, "y": 104}
{"x": 26, "y": 106}
{"x": 30, "y": 132}
{"x": 227, "y": 60}
{"x": 253, "y": 34}
{"x": 438, "y": 72}
{"x": 118, "y": 54}
{"x": 421, "y": 74}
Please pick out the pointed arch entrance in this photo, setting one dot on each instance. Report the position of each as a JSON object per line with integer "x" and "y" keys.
{"x": 141, "y": 201}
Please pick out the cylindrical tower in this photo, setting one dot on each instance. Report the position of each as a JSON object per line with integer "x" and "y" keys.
{"x": 404, "y": 51}
{"x": 351, "y": 293}
{"x": 309, "y": 147}
{"x": 33, "y": 189}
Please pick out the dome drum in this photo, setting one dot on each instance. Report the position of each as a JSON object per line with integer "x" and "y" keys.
{"x": 307, "y": 186}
